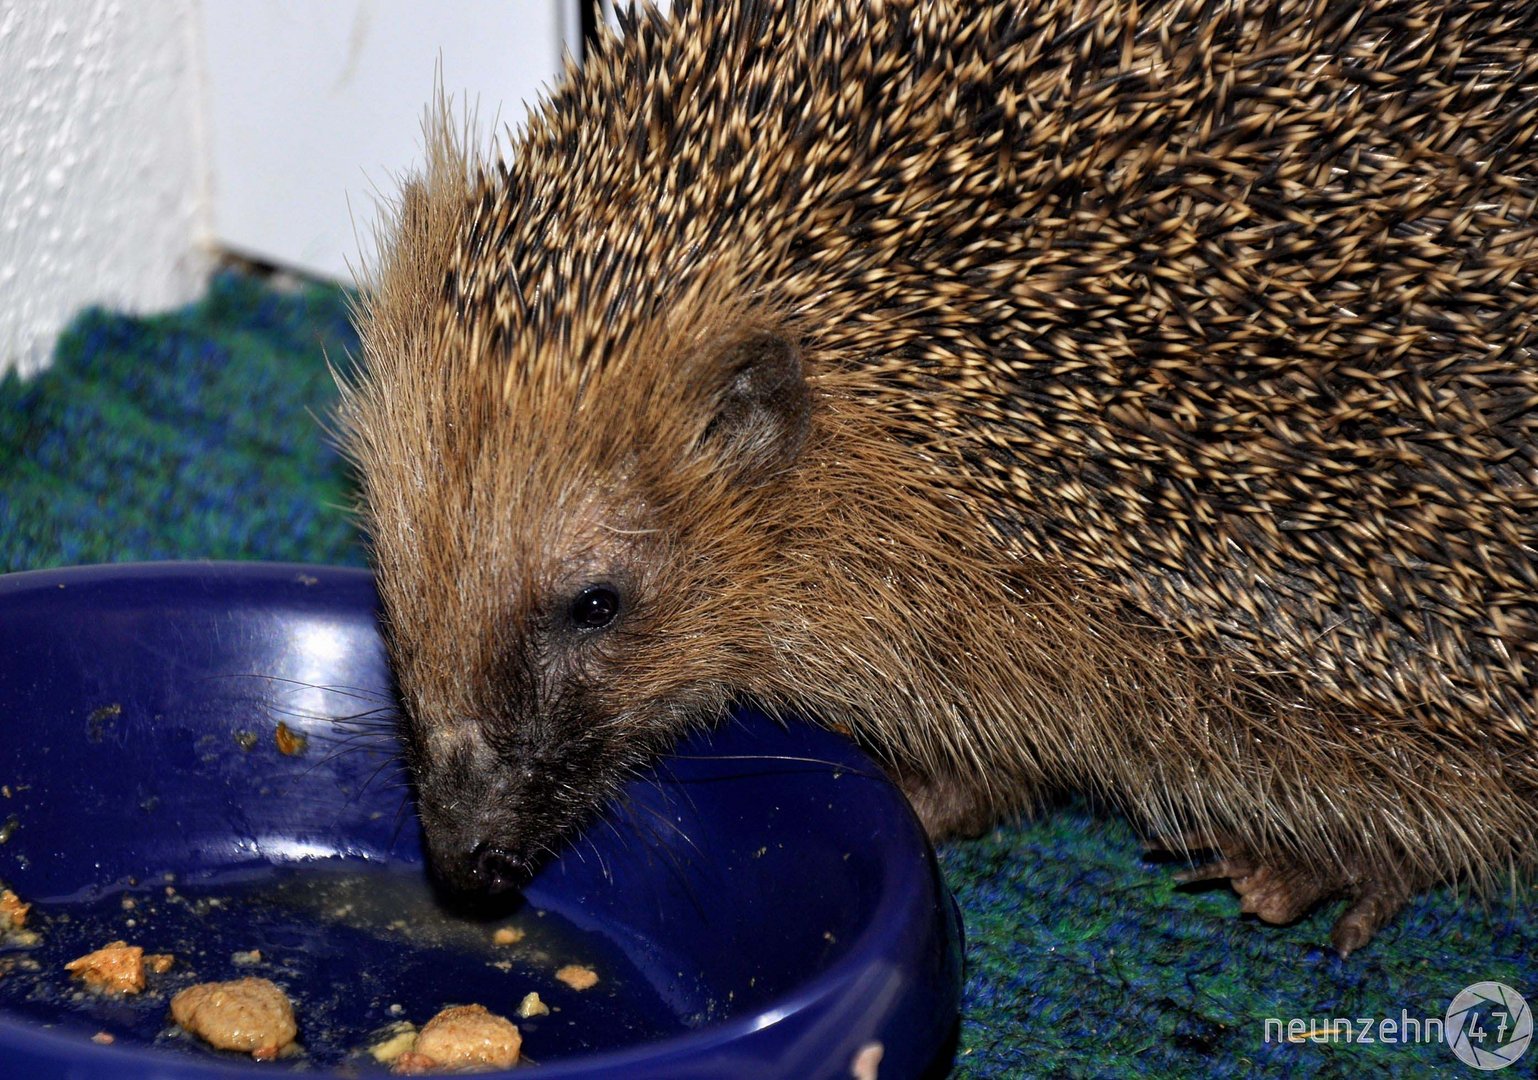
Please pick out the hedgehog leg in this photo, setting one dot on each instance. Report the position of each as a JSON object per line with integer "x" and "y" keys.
{"x": 947, "y": 806}
{"x": 1277, "y": 892}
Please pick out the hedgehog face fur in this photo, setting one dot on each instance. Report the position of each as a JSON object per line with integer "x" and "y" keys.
{"x": 1136, "y": 398}
{"x": 550, "y": 676}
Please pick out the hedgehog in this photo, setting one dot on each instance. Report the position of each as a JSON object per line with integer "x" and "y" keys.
{"x": 1135, "y": 399}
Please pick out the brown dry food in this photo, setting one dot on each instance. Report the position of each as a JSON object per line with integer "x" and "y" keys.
{"x": 105, "y": 1038}
{"x": 159, "y": 962}
{"x": 117, "y": 968}
{"x": 246, "y": 1014}
{"x": 578, "y": 977}
{"x": 463, "y": 1038}
{"x": 507, "y": 935}
{"x": 13, "y": 913}
{"x": 289, "y": 741}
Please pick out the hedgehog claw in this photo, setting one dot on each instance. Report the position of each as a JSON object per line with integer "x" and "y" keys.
{"x": 1278, "y": 894}
{"x": 1373, "y": 904}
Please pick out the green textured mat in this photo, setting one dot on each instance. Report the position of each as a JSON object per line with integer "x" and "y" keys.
{"x": 195, "y": 435}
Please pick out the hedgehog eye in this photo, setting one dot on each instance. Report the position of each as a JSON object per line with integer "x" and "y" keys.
{"x": 595, "y": 607}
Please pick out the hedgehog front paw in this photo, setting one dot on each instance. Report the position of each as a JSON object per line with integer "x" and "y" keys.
{"x": 1273, "y": 894}
{"x": 1277, "y": 891}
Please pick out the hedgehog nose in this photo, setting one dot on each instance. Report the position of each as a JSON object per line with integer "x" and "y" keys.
{"x": 497, "y": 869}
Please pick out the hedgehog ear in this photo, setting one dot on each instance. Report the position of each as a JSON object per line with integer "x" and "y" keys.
{"x": 761, "y": 405}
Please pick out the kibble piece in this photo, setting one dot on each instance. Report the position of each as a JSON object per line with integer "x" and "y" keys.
{"x": 578, "y": 977}
{"x": 117, "y": 968}
{"x": 531, "y": 1005}
{"x": 463, "y": 1038}
{"x": 13, "y": 913}
{"x": 159, "y": 962}
{"x": 247, "y": 1014}
{"x": 290, "y": 742}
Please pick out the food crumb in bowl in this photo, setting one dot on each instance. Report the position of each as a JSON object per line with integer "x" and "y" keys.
{"x": 867, "y": 1062}
{"x": 249, "y": 958}
{"x": 13, "y": 913}
{"x": 531, "y": 1005}
{"x": 25, "y": 964}
{"x": 105, "y": 1038}
{"x": 246, "y": 1014}
{"x": 462, "y": 1038}
{"x": 290, "y": 742}
{"x": 578, "y": 977}
{"x": 117, "y": 968}
{"x": 393, "y": 1042}
{"x": 507, "y": 935}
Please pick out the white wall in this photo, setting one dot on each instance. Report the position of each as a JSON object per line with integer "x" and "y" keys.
{"x": 315, "y": 108}
{"x": 139, "y": 137}
{"x": 102, "y": 185}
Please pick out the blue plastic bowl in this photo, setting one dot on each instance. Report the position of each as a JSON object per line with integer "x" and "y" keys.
{"x": 764, "y": 903}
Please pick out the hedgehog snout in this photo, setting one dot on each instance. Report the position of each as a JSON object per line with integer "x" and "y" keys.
{"x": 480, "y": 855}
{"x": 490, "y": 814}
{"x": 498, "y": 869}
{"x": 474, "y": 825}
